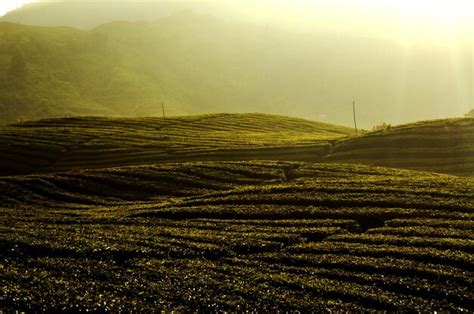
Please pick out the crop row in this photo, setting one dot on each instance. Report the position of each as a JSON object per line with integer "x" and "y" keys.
{"x": 410, "y": 291}
{"x": 237, "y": 236}
{"x": 442, "y": 146}
{"x": 424, "y": 231}
{"x": 77, "y": 142}
{"x": 371, "y": 265}
{"x": 465, "y": 245}
{"x": 421, "y": 254}
{"x": 271, "y": 282}
{"x": 285, "y": 183}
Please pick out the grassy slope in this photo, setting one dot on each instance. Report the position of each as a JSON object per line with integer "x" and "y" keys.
{"x": 439, "y": 145}
{"x": 229, "y": 235}
{"x": 445, "y": 146}
{"x": 60, "y": 144}
{"x": 52, "y": 83}
{"x": 198, "y": 64}
{"x": 237, "y": 235}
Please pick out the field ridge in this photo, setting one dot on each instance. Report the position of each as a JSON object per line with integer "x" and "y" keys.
{"x": 445, "y": 146}
{"x": 272, "y": 235}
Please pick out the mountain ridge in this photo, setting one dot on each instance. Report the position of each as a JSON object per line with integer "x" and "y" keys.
{"x": 199, "y": 64}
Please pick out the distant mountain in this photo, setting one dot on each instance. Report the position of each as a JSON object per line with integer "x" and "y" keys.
{"x": 198, "y": 64}
{"x": 90, "y": 14}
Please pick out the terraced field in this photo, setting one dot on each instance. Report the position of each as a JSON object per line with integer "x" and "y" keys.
{"x": 235, "y": 236}
{"x": 76, "y": 143}
{"x": 445, "y": 146}
{"x": 233, "y": 213}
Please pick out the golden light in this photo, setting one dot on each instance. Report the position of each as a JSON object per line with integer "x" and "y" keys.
{"x": 442, "y": 21}
{"x": 439, "y": 11}
{"x": 436, "y": 11}
{"x": 408, "y": 19}
{"x": 9, "y": 5}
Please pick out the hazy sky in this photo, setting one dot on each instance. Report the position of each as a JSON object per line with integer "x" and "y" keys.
{"x": 405, "y": 20}
{"x": 432, "y": 28}
{"x": 9, "y": 5}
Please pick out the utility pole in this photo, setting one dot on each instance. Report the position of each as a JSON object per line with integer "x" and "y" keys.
{"x": 470, "y": 73}
{"x": 163, "y": 108}
{"x": 355, "y": 119}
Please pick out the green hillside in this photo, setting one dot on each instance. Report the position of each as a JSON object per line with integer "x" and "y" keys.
{"x": 173, "y": 156}
{"x": 61, "y": 144}
{"x": 233, "y": 236}
{"x": 440, "y": 145}
{"x": 198, "y": 64}
{"x": 90, "y": 14}
{"x": 444, "y": 146}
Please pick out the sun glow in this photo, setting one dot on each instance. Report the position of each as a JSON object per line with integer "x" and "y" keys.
{"x": 405, "y": 20}
{"x": 9, "y": 5}
{"x": 437, "y": 19}
{"x": 441, "y": 12}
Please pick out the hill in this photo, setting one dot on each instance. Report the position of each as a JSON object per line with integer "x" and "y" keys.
{"x": 199, "y": 64}
{"x": 444, "y": 146}
{"x": 90, "y": 14}
{"x": 62, "y": 144}
{"x": 440, "y": 145}
{"x": 232, "y": 236}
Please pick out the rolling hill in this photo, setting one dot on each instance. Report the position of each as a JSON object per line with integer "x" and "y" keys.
{"x": 90, "y": 14}
{"x": 77, "y": 143}
{"x": 199, "y": 64}
{"x": 233, "y": 236}
{"x": 444, "y": 146}
{"x": 439, "y": 145}
{"x": 108, "y": 205}
{"x": 233, "y": 212}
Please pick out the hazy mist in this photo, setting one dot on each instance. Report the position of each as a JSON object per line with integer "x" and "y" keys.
{"x": 400, "y": 61}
